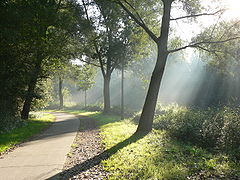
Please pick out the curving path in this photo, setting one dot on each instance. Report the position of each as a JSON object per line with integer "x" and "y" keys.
{"x": 43, "y": 156}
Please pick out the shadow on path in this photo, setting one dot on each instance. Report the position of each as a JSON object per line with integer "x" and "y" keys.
{"x": 97, "y": 159}
{"x": 60, "y": 127}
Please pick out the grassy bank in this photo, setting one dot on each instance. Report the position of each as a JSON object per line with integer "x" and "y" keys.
{"x": 156, "y": 155}
{"x": 31, "y": 127}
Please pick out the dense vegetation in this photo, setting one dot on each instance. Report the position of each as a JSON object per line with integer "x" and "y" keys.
{"x": 32, "y": 126}
{"x": 159, "y": 155}
{"x": 216, "y": 128}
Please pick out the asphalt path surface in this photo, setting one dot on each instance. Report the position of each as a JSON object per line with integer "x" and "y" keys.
{"x": 43, "y": 156}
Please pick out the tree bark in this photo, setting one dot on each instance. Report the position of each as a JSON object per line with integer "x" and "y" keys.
{"x": 31, "y": 88}
{"x": 122, "y": 92}
{"x": 60, "y": 93}
{"x": 106, "y": 94}
{"x": 28, "y": 100}
{"x": 85, "y": 98}
{"x": 146, "y": 119}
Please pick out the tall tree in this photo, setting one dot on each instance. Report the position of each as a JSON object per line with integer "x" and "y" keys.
{"x": 51, "y": 21}
{"x": 32, "y": 37}
{"x": 108, "y": 40}
{"x": 192, "y": 9}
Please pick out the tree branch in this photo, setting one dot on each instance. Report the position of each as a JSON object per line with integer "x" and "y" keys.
{"x": 100, "y": 59}
{"x": 139, "y": 22}
{"x": 139, "y": 17}
{"x": 197, "y": 45}
{"x": 114, "y": 65}
{"x": 90, "y": 63}
{"x": 197, "y": 15}
{"x": 85, "y": 9}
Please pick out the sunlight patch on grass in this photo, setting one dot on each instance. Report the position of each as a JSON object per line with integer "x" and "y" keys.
{"x": 155, "y": 156}
{"x": 18, "y": 135}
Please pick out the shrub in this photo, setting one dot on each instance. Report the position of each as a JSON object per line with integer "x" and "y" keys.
{"x": 230, "y": 132}
{"x": 8, "y": 122}
{"x": 94, "y": 107}
{"x": 213, "y": 127}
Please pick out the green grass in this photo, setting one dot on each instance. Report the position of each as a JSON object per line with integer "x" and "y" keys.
{"x": 18, "y": 135}
{"x": 156, "y": 156}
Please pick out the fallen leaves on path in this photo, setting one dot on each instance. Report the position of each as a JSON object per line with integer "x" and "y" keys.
{"x": 87, "y": 145}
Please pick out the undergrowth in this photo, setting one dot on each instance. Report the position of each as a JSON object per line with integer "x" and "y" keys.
{"x": 157, "y": 155}
{"x": 31, "y": 126}
{"x": 212, "y": 128}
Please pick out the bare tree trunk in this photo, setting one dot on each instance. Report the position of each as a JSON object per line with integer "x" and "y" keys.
{"x": 122, "y": 92}
{"x": 60, "y": 93}
{"x": 31, "y": 88}
{"x": 106, "y": 94}
{"x": 28, "y": 99}
{"x": 146, "y": 119}
{"x": 85, "y": 98}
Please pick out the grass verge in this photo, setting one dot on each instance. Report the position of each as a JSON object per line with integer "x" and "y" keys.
{"x": 18, "y": 135}
{"x": 156, "y": 156}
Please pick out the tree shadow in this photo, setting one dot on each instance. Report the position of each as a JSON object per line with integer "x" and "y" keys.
{"x": 77, "y": 169}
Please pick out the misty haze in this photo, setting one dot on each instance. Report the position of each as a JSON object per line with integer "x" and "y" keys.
{"x": 119, "y": 89}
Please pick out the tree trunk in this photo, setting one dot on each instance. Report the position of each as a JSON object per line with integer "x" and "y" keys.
{"x": 60, "y": 93}
{"x": 146, "y": 119}
{"x": 85, "y": 98}
{"x": 28, "y": 100}
{"x": 106, "y": 94}
{"x": 122, "y": 92}
{"x": 30, "y": 92}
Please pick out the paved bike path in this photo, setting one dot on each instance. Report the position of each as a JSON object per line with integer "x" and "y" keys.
{"x": 44, "y": 156}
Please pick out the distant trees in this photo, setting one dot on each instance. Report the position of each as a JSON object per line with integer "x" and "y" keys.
{"x": 84, "y": 78}
{"x": 80, "y": 76}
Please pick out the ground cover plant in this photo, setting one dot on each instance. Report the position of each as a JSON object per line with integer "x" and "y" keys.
{"x": 157, "y": 155}
{"x": 32, "y": 126}
{"x": 214, "y": 128}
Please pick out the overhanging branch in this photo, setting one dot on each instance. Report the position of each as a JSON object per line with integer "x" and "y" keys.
{"x": 197, "y": 15}
{"x": 197, "y": 44}
{"x": 90, "y": 63}
{"x": 139, "y": 22}
{"x": 100, "y": 59}
{"x": 139, "y": 17}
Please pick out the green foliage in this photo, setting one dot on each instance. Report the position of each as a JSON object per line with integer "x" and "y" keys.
{"x": 85, "y": 76}
{"x": 214, "y": 127}
{"x": 43, "y": 95}
{"x": 224, "y": 55}
{"x": 9, "y": 122}
{"x": 109, "y": 40}
{"x": 33, "y": 37}
{"x": 20, "y": 134}
{"x": 191, "y": 6}
{"x": 156, "y": 156}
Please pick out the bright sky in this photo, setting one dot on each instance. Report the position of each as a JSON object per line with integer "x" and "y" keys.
{"x": 187, "y": 30}
{"x": 233, "y": 7}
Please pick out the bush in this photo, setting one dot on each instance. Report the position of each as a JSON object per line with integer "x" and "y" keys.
{"x": 8, "y": 122}
{"x": 230, "y": 134}
{"x": 214, "y": 127}
{"x": 94, "y": 107}
{"x": 127, "y": 112}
